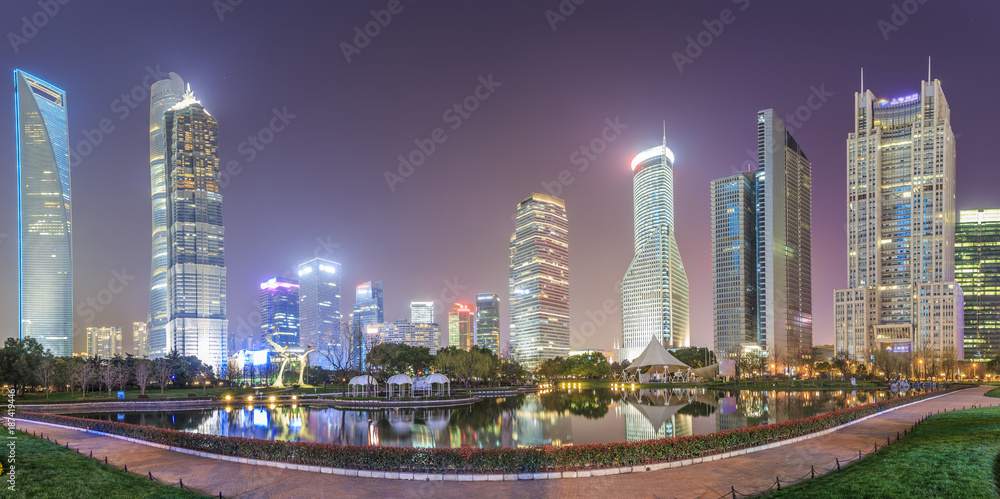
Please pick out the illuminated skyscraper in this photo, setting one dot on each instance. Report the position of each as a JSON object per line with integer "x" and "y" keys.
{"x": 539, "y": 280}
{"x": 460, "y": 326}
{"x": 422, "y": 334}
{"x": 488, "y": 321}
{"x": 734, "y": 262}
{"x": 655, "y": 286}
{"x": 368, "y": 306}
{"x": 104, "y": 342}
{"x": 163, "y": 95}
{"x": 140, "y": 340}
{"x": 320, "y": 314}
{"x": 196, "y": 276}
{"x": 45, "y": 228}
{"x": 977, "y": 271}
{"x": 901, "y": 293}
{"x": 421, "y": 312}
{"x": 279, "y": 312}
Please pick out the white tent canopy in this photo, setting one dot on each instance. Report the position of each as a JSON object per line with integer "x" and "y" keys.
{"x": 400, "y": 380}
{"x": 361, "y": 383}
{"x": 656, "y": 357}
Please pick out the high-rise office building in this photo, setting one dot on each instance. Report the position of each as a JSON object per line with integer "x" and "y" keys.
{"x": 196, "y": 275}
{"x": 460, "y": 326}
{"x": 977, "y": 272}
{"x": 140, "y": 340}
{"x": 488, "y": 321}
{"x": 368, "y": 305}
{"x": 422, "y": 334}
{"x": 421, "y": 312}
{"x": 539, "y": 280}
{"x": 901, "y": 294}
{"x": 655, "y": 287}
{"x": 45, "y": 222}
{"x": 163, "y": 95}
{"x": 734, "y": 263}
{"x": 104, "y": 342}
{"x": 279, "y": 312}
{"x": 320, "y": 315}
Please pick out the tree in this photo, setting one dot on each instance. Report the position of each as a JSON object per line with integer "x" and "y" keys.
{"x": 994, "y": 365}
{"x": 551, "y": 368}
{"x": 19, "y": 361}
{"x": 695, "y": 356}
{"x": 465, "y": 365}
{"x": 587, "y": 365}
{"x": 143, "y": 373}
{"x": 341, "y": 349}
{"x": 842, "y": 362}
{"x": 83, "y": 371}
{"x": 162, "y": 371}
{"x": 46, "y": 372}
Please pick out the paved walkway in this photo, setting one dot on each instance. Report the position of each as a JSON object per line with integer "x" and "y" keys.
{"x": 748, "y": 473}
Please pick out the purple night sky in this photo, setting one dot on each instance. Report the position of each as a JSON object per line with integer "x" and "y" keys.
{"x": 318, "y": 188}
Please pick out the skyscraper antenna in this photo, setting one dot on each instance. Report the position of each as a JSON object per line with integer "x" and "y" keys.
{"x": 862, "y": 81}
{"x": 664, "y": 135}
{"x": 928, "y": 69}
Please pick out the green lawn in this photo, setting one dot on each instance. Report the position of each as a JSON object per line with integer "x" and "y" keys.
{"x": 949, "y": 455}
{"x": 45, "y": 470}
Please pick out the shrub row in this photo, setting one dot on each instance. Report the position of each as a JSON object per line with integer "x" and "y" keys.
{"x": 489, "y": 460}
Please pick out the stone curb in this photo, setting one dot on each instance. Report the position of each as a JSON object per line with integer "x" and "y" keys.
{"x": 469, "y": 477}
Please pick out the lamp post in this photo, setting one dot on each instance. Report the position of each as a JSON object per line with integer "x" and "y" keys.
{"x": 921, "y": 368}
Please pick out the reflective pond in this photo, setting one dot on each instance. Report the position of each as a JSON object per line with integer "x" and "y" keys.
{"x": 557, "y": 417}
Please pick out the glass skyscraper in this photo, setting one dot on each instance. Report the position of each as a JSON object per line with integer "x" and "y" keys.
{"x": 164, "y": 94}
{"x": 104, "y": 342}
{"x": 45, "y": 223}
{"x": 488, "y": 321}
{"x": 977, "y": 271}
{"x": 734, "y": 262}
{"x": 320, "y": 315}
{"x": 279, "y": 312}
{"x": 460, "y": 326}
{"x": 539, "y": 280}
{"x": 196, "y": 276}
{"x": 140, "y": 340}
{"x": 655, "y": 287}
{"x": 422, "y": 312}
{"x": 368, "y": 306}
{"x": 901, "y": 293}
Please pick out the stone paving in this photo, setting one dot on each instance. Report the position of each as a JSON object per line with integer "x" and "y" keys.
{"x": 748, "y": 473}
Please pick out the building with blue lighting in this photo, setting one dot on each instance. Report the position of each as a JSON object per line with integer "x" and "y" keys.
{"x": 487, "y": 328}
{"x": 45, "y": 233}
{"x": 320, "y": 315}
{"x": 279, "y": 312}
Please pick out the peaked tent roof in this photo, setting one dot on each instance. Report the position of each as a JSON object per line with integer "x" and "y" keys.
{"x": 656, "y": 356}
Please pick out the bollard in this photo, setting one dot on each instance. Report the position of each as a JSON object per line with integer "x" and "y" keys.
{"x": 67, "y": 445}
{"x": 876, "y": 447}
{"x": 731, "y": 488}
{"x": 151, "y": 477}
{"x": 220, "y": 494}
{"x": 838, "y": 463}
{"x": 105, "y": 459}
{"x": 812, "y": 471}
{"x": 125, "y": 469}
{"x": 859, "y": 455}
{"x": 777, "y": 481}
{"x": 887, "y": 440}
{"x": 182, "y": 483}
{"x": 91, "y": 453}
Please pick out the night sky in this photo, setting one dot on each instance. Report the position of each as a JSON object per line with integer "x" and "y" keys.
{"x": 318, "y": 188}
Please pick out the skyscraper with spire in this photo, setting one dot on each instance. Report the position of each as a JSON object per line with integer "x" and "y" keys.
{"x": 45, "y": 222}
{"x": 655, "y": 287}
{"x": 164, "y": 94}
{"x": 196, "y": 272}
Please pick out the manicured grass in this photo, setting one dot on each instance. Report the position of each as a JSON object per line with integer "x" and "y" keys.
{"x": 949, "y": 455}
{"x": 46, "y": 470}
{"x": 993, "y": 393}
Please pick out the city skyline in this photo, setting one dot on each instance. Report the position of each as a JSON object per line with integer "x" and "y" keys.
{"x": 595, "y": 195}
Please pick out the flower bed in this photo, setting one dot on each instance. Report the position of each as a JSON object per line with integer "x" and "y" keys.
{"x": 489, "y": 460}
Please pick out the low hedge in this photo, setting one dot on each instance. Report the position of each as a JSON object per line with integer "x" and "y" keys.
{"x": 487, "y": 460}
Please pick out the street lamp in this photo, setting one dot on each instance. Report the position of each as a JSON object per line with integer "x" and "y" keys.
{"x": 921, "y": 368}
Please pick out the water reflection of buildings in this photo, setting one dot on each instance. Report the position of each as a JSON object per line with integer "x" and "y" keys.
{"x": 653, "y": 414}
{"x": 536, "y": 425}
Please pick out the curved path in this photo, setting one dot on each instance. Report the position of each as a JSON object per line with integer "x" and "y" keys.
{"x": 748, "y": 473}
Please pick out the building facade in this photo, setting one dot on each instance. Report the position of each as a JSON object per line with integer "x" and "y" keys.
{"x": 163, "y": 95}
{"x": 422, "y": 334}
{"x": 422, "y": 312}
{"x": 368, "y": 304}
{"x": 539, "y": 280}
{"x": 734, "y": 263}
{"x": 196, "y": 273}
{"x": 104, "y": 342}
{"x": 461, "y": 326}
{"x": 900, "y": 228}
{"x": 655, "y": 287}
{"x": 320, "y": 313}
{"x": 279, "y": 312}
{"x": 488, "y": 322}
{"x": 977, "y": 271}
{"x": 45, "y": 222}
{"x": 140, "y": 340}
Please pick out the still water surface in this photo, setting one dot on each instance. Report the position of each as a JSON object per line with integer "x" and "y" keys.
{"x": 560, "y": 417}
